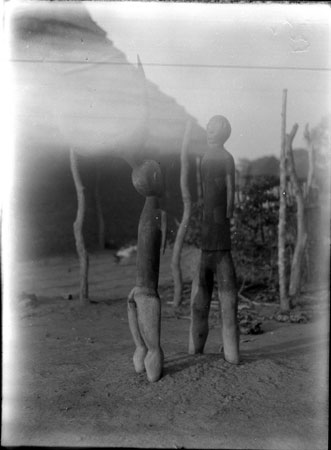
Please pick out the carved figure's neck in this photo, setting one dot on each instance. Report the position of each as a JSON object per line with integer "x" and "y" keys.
{"x": 216, "y": 150}
{"x": 152, "y": 202}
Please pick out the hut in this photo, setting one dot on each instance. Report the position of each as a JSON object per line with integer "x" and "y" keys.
{"x": 75, "y": 89}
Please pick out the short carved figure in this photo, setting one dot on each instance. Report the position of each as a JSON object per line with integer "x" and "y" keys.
{"x": 218, "y": 180}
{"x": 144, "y": 305}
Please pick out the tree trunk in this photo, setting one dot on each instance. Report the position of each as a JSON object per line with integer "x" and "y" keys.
{"x": 299, "y": 252}
{"x": 311, "y": 165}
{"x": 176, "y": 254}
{"x": 311, "y": 203}
{"x": 101, "y": 222}
{"x": 199, "y": 182}
{"x": 284, "y": 299}
{"x": 301, "y": 240}
{"x": 78, "y": 229}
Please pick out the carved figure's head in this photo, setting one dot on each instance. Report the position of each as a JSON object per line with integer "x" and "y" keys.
{"x": 218, "y": 131}
{"x": 147, "y": 178}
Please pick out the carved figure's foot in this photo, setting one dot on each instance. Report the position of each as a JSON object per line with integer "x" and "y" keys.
{"x": 154, "y": 364}
{"x": 231, "y": 340}
{"x": 138, "y": 359}
{"x": 196, "y": 345}
{"x": 141, "y": 349}
{"x": 231, "y": 354}
{"x": 193, "y": 351}
{"x": 200, "y": 304}
{"x": 198, "y": 333}
{"x": 231, "y": 351}
{"x": 233, "y": 359}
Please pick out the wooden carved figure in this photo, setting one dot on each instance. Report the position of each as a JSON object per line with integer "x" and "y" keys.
{"x": 218, "y": 178}
{"x": 144, "y": 305}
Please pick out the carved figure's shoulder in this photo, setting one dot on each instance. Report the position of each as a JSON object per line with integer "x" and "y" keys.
{"x": 229, "y": 161}
{"x": 228, "y": 156}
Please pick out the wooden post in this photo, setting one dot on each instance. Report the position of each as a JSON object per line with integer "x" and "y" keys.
{"x": 78, "y": 229}
{"x": 311, "y": 208}
{"x": 176, "y": 254}
{"x": 100, "y": 219}
{"x": 301, "y": 240}
{"x": 284, "y": 299}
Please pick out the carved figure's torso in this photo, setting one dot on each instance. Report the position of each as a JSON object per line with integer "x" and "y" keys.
{"x": 147, "y": 179}
{"x": 215, "y": 224}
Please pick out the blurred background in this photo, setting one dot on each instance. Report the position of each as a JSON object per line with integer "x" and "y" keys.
{"x": 75, "y": 81}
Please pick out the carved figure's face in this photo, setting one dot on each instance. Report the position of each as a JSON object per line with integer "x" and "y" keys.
{"x": 218, "y": 131}
{"x": 147, "y": 179}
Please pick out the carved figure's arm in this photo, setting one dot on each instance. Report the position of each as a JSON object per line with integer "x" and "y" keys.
{"x": 163, "y": 230}
{"x": 230, "y": 188}
{"x": 200, "y": 181}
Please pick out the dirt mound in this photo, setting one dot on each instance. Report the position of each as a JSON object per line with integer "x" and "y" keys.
{"x": 75, "y": 384}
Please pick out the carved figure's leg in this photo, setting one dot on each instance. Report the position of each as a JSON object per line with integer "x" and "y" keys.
{"x": 141, "y": 349}
{"x": 149, "y": 325}
{"x": 201, "y": 293}
{"x": 227, "y": 294}
{"x": 145, "y": 321}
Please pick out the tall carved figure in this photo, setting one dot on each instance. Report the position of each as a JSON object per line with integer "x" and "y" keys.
{"x": 218, "y": 179}
{"x": 144, "y": 306}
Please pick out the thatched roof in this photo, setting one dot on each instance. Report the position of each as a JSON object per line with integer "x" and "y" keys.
{"x": 73, "y": 84}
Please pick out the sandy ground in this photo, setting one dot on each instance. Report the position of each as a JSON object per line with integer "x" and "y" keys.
{"x": 69, "y": 378}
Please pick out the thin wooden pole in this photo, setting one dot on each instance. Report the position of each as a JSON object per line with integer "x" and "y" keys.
{"x": 301, "y": 239}
{"x": 284, "y": 298}
{"x": 78, "y": 229}
{"x": 186, "y": 196}
{"x": 98, "y": 204}
{"x": 311, "y": 165}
